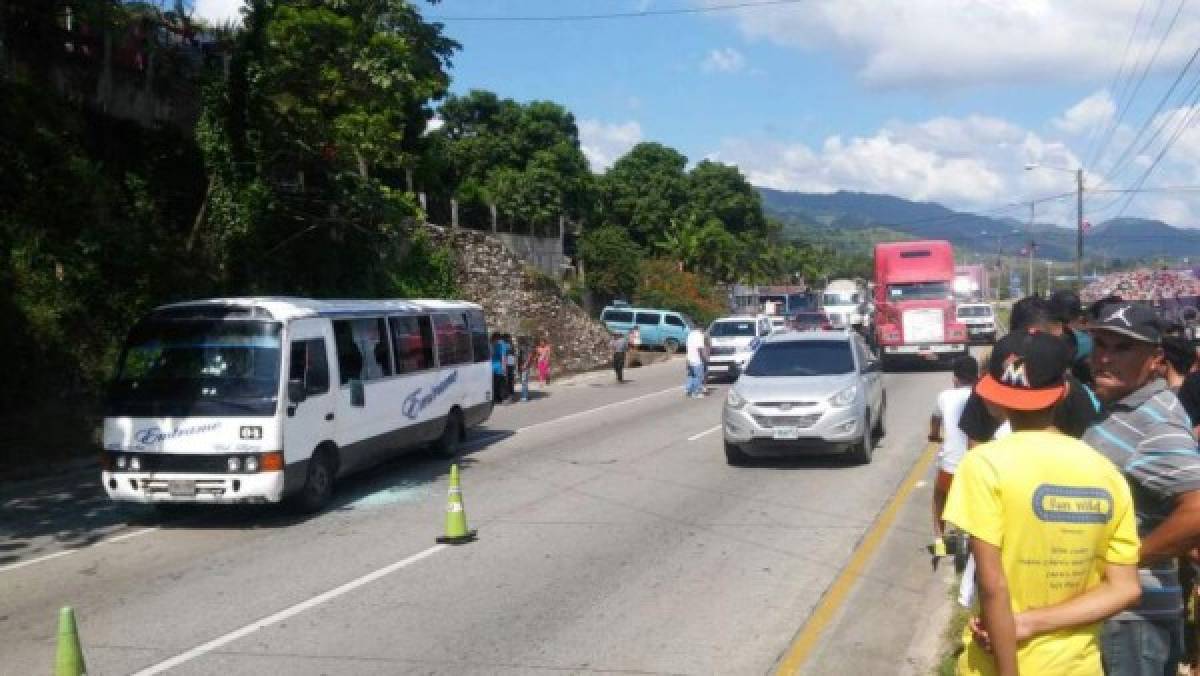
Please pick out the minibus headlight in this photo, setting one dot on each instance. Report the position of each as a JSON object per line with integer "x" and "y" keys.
{"x": 233, "y": 463}
{"x": 252, "y": 463}
{"x": 135, "y": 463}
{"x": 122, "y": 461}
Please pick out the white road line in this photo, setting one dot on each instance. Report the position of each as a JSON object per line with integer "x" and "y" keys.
{"x": 676, "y": 389}
{"x": 704, "y": 433}
{"x": 65, "y": 552}
{"x": 287, "y": 612}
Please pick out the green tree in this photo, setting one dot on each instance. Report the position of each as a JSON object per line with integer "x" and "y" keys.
{"x": 644, "y": 191}
{"x": 524, "y": 158}
{"x": 720, "y": 191}
{"x": 612, "y": 262}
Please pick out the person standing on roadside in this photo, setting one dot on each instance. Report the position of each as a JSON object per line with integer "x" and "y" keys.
{"x": 1066, "y": 307}
{"x": 634, "y": 338}
{"x": 696, "y": 354}
{"x": 510, "y": 366}
{"x": 619, "y": 345}
{"x": 1072, "y": 416}
{"x": 1051, "y": 523}
{"x": 542, "y": 359}
{"x": 943, "y": 429}
{"x": 499, "y": 357}
{"x": 1148, "y": 436}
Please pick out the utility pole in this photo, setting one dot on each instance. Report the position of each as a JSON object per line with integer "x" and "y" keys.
{"x": 1032, "y": 290}
{"x": 1079, "y": 229}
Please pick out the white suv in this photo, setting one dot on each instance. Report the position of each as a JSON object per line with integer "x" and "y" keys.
{"x": 732, "y": 340}
{"x": 980, "y": 321}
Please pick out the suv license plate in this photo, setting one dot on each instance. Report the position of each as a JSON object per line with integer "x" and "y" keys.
{"x": 181, "y": 487}
{"x": 786, "y": 433}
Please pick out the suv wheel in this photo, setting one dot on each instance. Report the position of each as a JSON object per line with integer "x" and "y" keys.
{"x": 860, "y": 452}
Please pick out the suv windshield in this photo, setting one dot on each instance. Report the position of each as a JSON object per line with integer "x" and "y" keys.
{"x": 919, "y": 291}
{"x": 801, "y": 358}
{"x": 188, "y": 368}
{"x": 974, "y": 311}
{"x": 730, "y": 329}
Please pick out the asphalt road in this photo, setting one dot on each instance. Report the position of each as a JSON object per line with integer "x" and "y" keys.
{"x": 613, "y": 538}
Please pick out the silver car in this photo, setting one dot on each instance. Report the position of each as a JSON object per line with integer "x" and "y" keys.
{"x": 805, "y": 392}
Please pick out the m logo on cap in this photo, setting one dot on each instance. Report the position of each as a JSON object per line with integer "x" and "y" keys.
{"x": 1014, "y": 372}
{"x": 1120, "y": 314}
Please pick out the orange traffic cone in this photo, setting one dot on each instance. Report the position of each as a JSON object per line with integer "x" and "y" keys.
{"x": 456, "y": 516}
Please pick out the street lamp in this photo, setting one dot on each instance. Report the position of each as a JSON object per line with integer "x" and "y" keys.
{"x": 1079, "y": 216}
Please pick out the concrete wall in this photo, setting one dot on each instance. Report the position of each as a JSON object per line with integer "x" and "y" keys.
{"x": 543, "y": 253}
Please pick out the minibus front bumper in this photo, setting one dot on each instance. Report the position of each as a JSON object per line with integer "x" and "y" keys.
{"x": 160, "y": 487}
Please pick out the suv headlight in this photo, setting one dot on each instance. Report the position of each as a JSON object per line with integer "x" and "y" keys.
{"x": 735, "y": 400}
{"x": 845, "y": 397}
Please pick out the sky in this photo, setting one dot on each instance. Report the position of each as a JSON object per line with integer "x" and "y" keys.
{"x": 932, "y": 100}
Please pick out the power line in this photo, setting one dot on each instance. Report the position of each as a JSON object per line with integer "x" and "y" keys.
{"x": 1124, "y": 106}
{"x": 623, "y": 15}
{"x": 1095, "y": 134}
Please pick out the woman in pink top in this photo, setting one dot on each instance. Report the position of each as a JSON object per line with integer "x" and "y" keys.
{"x": 542, "y": 355}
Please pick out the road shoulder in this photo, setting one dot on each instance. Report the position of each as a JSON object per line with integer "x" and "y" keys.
{"x": 895, "y": 618}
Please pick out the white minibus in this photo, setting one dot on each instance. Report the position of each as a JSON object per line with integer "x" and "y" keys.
{"x": 250, "y": 400}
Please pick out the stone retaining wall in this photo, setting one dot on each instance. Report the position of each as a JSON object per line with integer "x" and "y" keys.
{"x": 519, "y": 300}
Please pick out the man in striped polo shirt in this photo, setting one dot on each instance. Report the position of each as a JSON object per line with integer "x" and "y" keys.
{"x": 1148, "y": 436}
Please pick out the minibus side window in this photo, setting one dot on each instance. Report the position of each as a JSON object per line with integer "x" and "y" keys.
{"x": 412, "y": 339}
{"x": 482, "y": 347}
{"x": 362, "y": 349}
{"x": 453, "y": 339}
{"x": 308, "y": 364}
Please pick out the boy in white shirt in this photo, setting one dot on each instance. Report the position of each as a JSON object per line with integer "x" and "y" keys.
{"x": 943, "y": 429}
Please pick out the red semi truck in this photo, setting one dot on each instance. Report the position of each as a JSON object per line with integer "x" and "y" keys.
{"x": 914, "y": 302}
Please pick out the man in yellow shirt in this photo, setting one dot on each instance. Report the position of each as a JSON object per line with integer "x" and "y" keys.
{"x": 1051, "y": 521}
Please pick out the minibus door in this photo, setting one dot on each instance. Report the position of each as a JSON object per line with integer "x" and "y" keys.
{"x": 309, "y": 403}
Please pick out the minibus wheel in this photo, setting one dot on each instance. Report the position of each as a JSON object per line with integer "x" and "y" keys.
{"x": 318, "y": 482}
{"x": 447, "y": 445}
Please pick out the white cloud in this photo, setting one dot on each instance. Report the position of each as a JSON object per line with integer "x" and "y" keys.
{"x": 1089, "y": 115}
{"x": 604, "y": 143}
{"x": 727, "y": 60}
{"x": 937, "y": 44}
{"x": 976, "y": 163}
{"x": 218, "y": 11}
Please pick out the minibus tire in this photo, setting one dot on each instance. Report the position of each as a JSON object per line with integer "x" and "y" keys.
{"x": 447, "y": 445}
{"x": 318, "y": 482}
{"x": 671, "y": 346}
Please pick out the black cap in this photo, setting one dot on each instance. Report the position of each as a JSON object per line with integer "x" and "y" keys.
{"x": 1065, "y": 305}
{"x": 1136, "y": 321}
{"x": 1026, "y": 371}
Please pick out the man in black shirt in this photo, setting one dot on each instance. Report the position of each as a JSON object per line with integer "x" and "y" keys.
{"x": 1074, "y": 414}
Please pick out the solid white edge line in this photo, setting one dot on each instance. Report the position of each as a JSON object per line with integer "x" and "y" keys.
{"x": 286, "y": 613}
{"x": 705, "y": 433}
{"x": 65, "y": 552}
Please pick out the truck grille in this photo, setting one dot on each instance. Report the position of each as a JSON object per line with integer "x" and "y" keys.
{"x": 923, "y": 326}
{"x": 723, "y": 351}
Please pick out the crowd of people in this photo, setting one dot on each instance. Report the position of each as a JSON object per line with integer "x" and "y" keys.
{"x": 514, "y": 363}
{"x": 1070, "y": 464}
{"x": 1145, "y": 285}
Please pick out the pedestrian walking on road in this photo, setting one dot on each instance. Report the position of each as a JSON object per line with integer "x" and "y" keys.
{"x": 524, "y": 365}
{"x": 499, "y": 358}
{"x": 1147, "y": 434}
{"x": 619, "y": 346}
{"x": 943, "y": 430}
{"x": 1051, "y": 522}
{"x": 696, "y": 355}
{"x": 542, "y": 355}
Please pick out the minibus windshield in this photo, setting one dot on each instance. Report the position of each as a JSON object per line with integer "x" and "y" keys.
{"x": 198, "y": 368}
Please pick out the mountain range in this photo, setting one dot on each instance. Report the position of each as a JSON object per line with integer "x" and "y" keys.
{"x": 821, "y": 216}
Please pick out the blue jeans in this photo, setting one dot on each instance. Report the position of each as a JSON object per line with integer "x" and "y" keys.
{"x": 1141, "y": 648}
{"x": 695, "y": 379}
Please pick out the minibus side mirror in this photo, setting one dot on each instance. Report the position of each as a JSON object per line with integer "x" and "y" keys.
{"x": 358, "y": 395}
{"x": 296, "y": 391}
